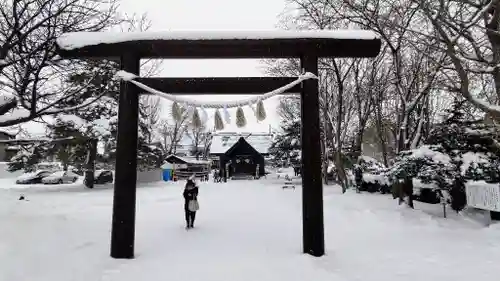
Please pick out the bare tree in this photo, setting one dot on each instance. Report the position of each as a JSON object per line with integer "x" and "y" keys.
{"x": 206, "y": 143}
{"x": 370, "y": 81}
{"x": 336, "y": 103}
{"x": 171, "y": 132}
{"x": 468, "y": 33}
{"x": 150, "y": 110}
{"x": 200, "y": 137}
{"x": 413, "y": 77}
{"x": 337, "y": 108}
{"x": 31, "y": 71}
{"x": 379, "y": 88}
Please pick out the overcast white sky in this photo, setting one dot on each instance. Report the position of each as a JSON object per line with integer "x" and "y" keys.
{"x": 211, "y": 15}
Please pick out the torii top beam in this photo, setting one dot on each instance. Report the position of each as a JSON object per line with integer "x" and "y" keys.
{"x": 220, "y": 44}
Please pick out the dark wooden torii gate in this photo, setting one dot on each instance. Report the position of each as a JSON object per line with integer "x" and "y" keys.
{"x": 307, "y": 48}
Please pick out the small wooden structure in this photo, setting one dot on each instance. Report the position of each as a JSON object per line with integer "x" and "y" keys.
{"x": 241, "y": 159}
{"x": 130, "y": 48}
{"x": 185, "y": 167}
{"x": 240, "y": 154}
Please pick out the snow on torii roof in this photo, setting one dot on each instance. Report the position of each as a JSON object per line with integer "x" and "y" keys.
{"x": 74, "y": 40}
{"x": 221, "y": 44}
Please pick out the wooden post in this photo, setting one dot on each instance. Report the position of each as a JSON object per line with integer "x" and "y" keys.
{"x": 123, "y": 226}
{"x": 312, "y": 187}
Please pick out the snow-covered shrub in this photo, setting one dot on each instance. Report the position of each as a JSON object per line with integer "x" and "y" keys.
{"x": 427, "y": 163}
{"x": 374, "y": 177}
{"x": 370, "y": 165}
{"x": 473, "y": 148}
{"x": 456, "y": 151}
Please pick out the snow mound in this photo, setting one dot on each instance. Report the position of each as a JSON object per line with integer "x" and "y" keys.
{"x": 245, "y": 230}
{"x": 426, "y": 152}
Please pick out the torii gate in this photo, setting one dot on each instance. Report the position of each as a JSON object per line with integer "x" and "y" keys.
{"x": 130, "y": 48}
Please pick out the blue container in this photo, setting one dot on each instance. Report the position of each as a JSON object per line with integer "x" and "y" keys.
{"x": 167, "y": 175}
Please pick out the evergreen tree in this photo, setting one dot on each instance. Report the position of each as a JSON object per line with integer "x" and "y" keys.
{"x": 28, "y": 157}
{"x": 456, "y": 151}
{"x": 286, "y": 144}
{"x": 72, "y": 152}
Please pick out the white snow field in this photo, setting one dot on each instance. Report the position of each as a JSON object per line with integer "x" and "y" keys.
{"x": 245, "y": 230}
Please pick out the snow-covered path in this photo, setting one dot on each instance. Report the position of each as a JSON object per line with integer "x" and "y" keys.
{"x": 245, "y": 230}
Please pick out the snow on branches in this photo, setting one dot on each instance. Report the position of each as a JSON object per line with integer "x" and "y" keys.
{"x": 97, "y": 128}
{"x": 454, "y": 151}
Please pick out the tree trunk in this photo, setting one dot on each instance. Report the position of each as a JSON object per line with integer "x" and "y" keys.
{"x": 340, "y": 103}
{"x": 381, "y": 132}
{"x": 90, "y": 163}
{"x": 408, "y": 190}
{"x": 492, "y": 35}
{"x": 325, "y": 158}
{"x": 402, "y": 126}
{"x": 340, "y": 171}
{"x": 64, "y": 156}
{"x": 358, "y": 143}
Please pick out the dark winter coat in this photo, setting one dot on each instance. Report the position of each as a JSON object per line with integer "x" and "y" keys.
{"x": 190, "y": 193}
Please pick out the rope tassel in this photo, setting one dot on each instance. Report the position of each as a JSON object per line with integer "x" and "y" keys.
{"x": 241, "y": 121}
{"x": 260, "y": 111}
{"x": 219, "y": 123}
{"x": 196, "y": 120}
{"x": 190, "y": 106}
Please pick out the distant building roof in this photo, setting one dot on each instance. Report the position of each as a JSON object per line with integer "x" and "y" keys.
{"x": 8, "y": 133}
{"x": 221, "y": 142}
{"x": 175, "y": 159}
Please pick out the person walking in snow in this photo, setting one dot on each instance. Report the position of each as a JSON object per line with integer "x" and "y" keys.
{"x": 190, "y": 201}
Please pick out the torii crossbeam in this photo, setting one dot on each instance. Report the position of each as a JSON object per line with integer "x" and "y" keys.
{"x": 129, "y": 48}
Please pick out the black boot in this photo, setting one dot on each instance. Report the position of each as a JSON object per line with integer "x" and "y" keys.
{"x": 192, "y": 215}
{"x": 188, "y": 219}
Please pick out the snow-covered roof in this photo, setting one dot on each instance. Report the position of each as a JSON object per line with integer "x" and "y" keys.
{"x": 7, "y": 132}
{"x": 188, "y": 160}
{"x": 167, "y": 165}
{"x": 224, "y": 141}
{"x": 74, "y": 40}
{"x": 6, "y": 98}
{"x": 15, "y": 114}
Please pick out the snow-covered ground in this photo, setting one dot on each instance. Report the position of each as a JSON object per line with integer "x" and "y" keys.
{"x": 245, "y": 230}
